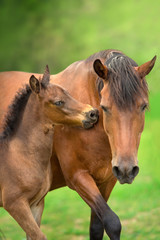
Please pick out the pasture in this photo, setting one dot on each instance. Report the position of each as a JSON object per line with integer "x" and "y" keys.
{"x": 130, "y": 26}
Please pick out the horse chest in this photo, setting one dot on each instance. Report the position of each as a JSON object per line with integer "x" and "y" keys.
{"x": 102, "y": 174}
{"x": 98, "y": 158}
{"x": 97, "y": 161}
{"x": 87, "y": 151}
{"x": 100, "y": 169}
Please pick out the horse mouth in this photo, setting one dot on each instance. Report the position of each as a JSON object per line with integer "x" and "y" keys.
{"x": 125, "y": 180}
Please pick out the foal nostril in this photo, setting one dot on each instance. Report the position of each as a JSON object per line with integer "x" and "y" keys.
{"x": 93, "y": 114}
{"x": 135, "y": 171}
{"x": 91, "y": 118}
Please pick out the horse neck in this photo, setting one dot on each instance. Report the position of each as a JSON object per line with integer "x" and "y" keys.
{"x": 91, "y": 81}
{"x": 79, "y": 79}
{"x": 31, "y": 136}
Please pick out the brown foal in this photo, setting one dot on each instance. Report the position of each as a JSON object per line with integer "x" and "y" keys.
{"x": 26, "y": 148}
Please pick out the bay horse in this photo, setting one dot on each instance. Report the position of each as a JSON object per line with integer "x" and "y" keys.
{"x": 26, "y": 147}
{"x": 91, "y": 162}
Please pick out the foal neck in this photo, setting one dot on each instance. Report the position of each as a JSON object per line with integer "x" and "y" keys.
{"x": 34, "y": 135}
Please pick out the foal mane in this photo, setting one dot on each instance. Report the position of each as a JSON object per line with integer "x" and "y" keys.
{"x": 15, "y": 112}
{"x": 16, "y": 109}
{"x": 124, "y": 83}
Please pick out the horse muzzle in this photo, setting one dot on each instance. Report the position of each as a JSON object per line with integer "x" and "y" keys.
{"x": 125, "y": 171}
{"x": 91, "y": 118}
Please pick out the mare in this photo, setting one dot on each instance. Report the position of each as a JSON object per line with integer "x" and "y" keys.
{"x": 91, "y": 162}
{"x": 26, "y": 147}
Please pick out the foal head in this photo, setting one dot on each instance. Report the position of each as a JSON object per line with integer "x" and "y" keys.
{"x": 59, "y": 107}
{"x": 124, "y": 99}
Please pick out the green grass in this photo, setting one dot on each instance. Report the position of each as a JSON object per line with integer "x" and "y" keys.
{"x": 59, "y": 32}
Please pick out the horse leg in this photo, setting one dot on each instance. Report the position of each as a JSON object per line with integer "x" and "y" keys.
{"x": 37, "y": 211}
{"x": 20, "y": 210}
{"x": 84, "y": 184}
{"x": 96, "y": 226}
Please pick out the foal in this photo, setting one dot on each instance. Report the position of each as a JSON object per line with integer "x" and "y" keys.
{"x": 26, "y": 148}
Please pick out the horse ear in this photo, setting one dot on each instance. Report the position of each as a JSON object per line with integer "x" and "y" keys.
{"x": 100, "y": 69}
{"x": 46, "y": 77}
{"x": 34, "y": 84}
{"x": 145, "y": 68}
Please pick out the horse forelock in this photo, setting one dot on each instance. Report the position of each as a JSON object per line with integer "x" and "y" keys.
{"x": 124, "y": 83}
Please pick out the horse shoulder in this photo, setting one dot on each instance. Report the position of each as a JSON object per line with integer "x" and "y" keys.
{"x": 77, "y": 149}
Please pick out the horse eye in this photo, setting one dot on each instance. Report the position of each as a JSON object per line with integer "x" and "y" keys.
{"x": 105, "y": 109}
{"x": 143, "y": 107}
{"x": 58, "y": 103}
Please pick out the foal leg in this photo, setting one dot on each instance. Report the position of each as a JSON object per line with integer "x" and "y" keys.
{"x": 84, "y": 184}
{"x": 21, "y": 212}
{"x": 37, "y": 211}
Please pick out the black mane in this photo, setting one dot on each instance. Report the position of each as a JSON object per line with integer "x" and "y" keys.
{"x": 15, "y": 111}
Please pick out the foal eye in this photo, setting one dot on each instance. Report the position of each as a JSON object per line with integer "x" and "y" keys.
{"x": 143, "y": 107}
{"x": 58, "y": 103}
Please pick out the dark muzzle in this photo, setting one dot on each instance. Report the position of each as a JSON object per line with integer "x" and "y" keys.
{"x": 91, "y": 118}
{"x": 125, "y": 171}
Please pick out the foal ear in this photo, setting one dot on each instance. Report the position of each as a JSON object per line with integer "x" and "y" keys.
{"x": 34, "y": 84}
{"x": 100, "y": 69}
{"x": 145, "y": 68}
{"x": 46, "y": 77}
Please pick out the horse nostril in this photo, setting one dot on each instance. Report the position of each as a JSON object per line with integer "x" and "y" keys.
{"x": 135, "y": 171}
{"x": 116, "y": 171}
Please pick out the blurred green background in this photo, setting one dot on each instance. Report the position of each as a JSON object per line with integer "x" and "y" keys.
{"x": 34, "y": 33}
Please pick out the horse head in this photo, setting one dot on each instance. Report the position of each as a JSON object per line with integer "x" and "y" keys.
{"x": 124, "y": 99}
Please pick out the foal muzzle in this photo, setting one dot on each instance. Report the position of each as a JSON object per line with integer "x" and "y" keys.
{"x": 91, "y": 118}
